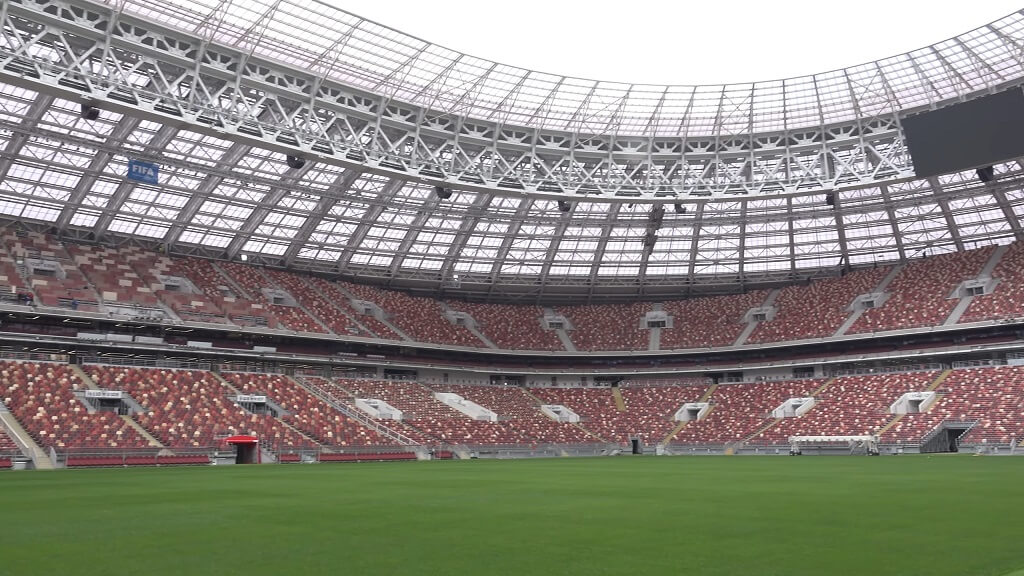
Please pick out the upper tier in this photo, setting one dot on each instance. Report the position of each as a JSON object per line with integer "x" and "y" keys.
{"x": 130, "y": 282}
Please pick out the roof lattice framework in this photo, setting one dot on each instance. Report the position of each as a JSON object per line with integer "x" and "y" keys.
{"x": 218, "y": 93}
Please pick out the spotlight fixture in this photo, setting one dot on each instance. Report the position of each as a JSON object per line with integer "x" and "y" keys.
{"x": 680, "y": 209}
{"x": 830, "y": 199}
{"x": 650, "y": 239}
{"x": 89, "y": 112}
{"x": 657, "y": 215}
{"x": 564, "y": 206}
{"x": 442, "y": 192}
{"x": 295, "y": 162}
{"x": 986, "y": 174}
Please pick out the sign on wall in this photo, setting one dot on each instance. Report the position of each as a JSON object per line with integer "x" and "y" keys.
{"x": 145, "y": 172}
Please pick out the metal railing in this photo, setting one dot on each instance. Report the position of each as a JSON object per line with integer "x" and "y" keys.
{"x": 148, "y": 363}
{"x": 354, "y": 413}
{"x": 34, "y": 356}
{"x": 978, "y": 363}
{"x": 965, "y": 425}
{"x": 684, "y": 381}
{"x": 131, "y": 456}
{"x": 234, "y": 368}
{"x": 869, "y": 370}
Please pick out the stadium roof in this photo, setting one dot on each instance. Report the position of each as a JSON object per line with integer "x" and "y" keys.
{"x": 218, "y": 93}
{"x": 313, "y": 36}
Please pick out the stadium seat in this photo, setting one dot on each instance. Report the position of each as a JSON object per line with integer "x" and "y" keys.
{"x": 648, "y": 415}
{"x": 991, "y": 396}
{"x": 254, "y": 282}
{"x": 511, "y": 327}
{"x": 920, "y": 293}
{"x": 52, "y": 290}
{"x": 331, "y": 291}
{"x": 113, "y": 275}
{"x": 190, "y": 408}
{"x": 432, "y": 418}
{"x": 314, "y": 301}
{"x": 41, "y": 397}
{"x": 708, "y": 322}
{"x": 818, "y": 309}
{"x": 739, "y": 410}
{"x": 519, "y": 412}
{"x": 600, "y": 327}
{"x": 1007, "y": 300}
{"x": 850, "y": 406}
{"x": 420, "y": 318}
{"x": 216, "y": 287}
{"x": 306, "y": 412}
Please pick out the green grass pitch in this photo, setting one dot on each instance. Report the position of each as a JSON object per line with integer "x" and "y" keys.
{"x": 949, "y": 515}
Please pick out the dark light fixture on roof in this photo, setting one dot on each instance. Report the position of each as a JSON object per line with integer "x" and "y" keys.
{"x": 986, "y": 174}
{"x": 89, "y": 112}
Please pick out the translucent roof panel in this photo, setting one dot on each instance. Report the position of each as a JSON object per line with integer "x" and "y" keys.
{"x": 335, "y": 44}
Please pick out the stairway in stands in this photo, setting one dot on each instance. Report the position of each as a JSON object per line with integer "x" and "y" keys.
{"x": 142, "y": 431}
{"x": 575, "y": 424}
{"x": 984, "y": 274}
{"x": 897, "y": 417}
{"x": 772, "y": 423}
{"x": 856, "y": 314}
{"x": 620, "y": 404}
{"x": 14, "y": 429}
{"x": 752, "y": 325}
{"x": 682, "y": 423}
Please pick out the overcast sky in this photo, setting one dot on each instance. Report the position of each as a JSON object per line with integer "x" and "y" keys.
{"x": 682, "y": 41}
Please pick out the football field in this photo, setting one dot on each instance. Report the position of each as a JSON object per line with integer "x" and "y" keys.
{"x": 942, "y": 515}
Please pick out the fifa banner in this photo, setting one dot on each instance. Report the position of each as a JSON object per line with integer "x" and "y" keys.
{"x": 145, "y": 172}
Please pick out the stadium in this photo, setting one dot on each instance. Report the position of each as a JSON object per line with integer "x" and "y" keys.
{"x": 474, "y": 318}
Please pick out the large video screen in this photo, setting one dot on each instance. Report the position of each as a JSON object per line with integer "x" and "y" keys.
{"x": 980, "y": 132}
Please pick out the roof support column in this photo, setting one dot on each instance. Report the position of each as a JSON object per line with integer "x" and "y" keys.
{"x": 466, "y": 228}
{"x": 33, "y": 116}
{"x": 203, "y": 192}
{"x": 893, "y": 223}
{"x": 117, "y": 137}
{"x": 513, "y": 232}
{"x": 269, "y": 202}
{"x": 698, "y": 217}
{"x": 609, "y": 222}
{"x": 327, "y": 201}
{"x": 387, "y": 194}
{"x": 837, "y": 214}
{"x": 1008, "y": 213}
{"x": 162, "y": 138}
{"x": 954, "y": 230}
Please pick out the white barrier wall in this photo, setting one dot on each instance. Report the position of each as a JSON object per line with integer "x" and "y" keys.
{"x": 794, "y": 407}
{"x": 467, "y": 407}
{"x": 378, "y": 408}
{"x": 913, "y": 402}
{"x": 559, "y": 413}
{"x": 692, "y": 411}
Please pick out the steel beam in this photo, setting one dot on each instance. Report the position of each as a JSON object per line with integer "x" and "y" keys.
{"x": 334, "y": 194}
